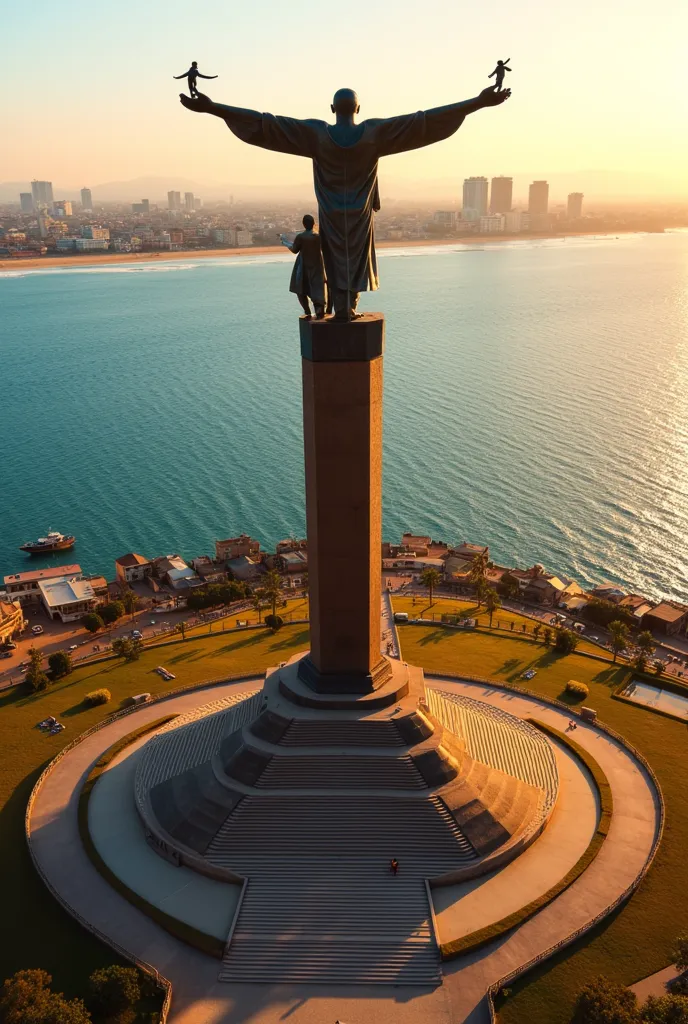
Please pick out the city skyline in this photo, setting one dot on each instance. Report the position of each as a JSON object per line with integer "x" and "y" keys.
{"x": 570, "y": 111}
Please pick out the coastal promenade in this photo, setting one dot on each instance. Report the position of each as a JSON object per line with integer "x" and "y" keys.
{"x": 198, "y": 998}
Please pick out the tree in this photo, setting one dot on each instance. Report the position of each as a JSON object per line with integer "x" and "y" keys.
{"x": 679, "y": 953}
{"x": 128, "y": 648}
{"x": 536, "y": 630}
{"x": 430, "y": 578}
{"x": 113, "y": 990}
{"x": 275, "y": 622}
{"x": 35, "y": 678}
{"x": 605, "y": 1002}
{"x": 92, "y": 622}
{"x": 547, "y": 636}
{"x": 659, "y": 666}
{"x": 566, "y": 641}
{"x": 669, "y": 1009}
{"x": 492, "y": 603}
{"x": 27, "y": 998}
{"x": 259, "y": 601}
{"x": 482, "y": 588}
{"x": 509, "y": 586}
{"x": 60, "y": 664}
{"x": 604, "y": 612}
{"x": 130, "y": 601}
{"x": 478, "y": 567}
{"x": 619, "y": 636}
{"x": 272, "y": 588}
{"x": 109, "y": 613}
{"x": 644, "y": 647}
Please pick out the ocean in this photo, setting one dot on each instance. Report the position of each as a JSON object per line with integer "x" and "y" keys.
{"x": 536, "y": 400}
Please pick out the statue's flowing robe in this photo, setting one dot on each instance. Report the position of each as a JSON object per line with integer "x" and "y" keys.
{"x": 345, "y": 178}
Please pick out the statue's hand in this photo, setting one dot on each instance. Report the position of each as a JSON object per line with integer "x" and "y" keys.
{"x": 492, "y": 97}
{"x": 200, "y": 103}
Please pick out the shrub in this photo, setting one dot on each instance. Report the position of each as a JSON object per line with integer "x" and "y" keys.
{"x": 575, "y": 689}
{"x": 113, "y": 990}
{"x": 60, "y": 664}
{"x": 96, "y": 697}
{"x": 35, "y": 679}
{"x": 127, "y": 648}
{"x": 275, "y": 622}
{"x": 92, "y": 622}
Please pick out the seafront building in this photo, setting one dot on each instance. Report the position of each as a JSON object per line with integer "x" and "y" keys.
{"x": 25, "y": 586}
{"x": 132, "y": 567}
{"x": 474, "y": 198}
{"x": 574, "y": 205}
{"x": 501, "y": 195}
{"x": 68, "y": 597}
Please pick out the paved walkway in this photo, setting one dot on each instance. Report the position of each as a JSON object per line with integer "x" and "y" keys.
{"x": 199, "y": 998}
{"x": 656, "y": 984}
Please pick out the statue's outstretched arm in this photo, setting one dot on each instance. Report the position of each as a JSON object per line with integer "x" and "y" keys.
{"x": 413, "y": 131}
{"x": 232, "y": 115}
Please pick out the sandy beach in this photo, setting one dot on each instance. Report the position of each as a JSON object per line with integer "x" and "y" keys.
{"x": 95, "y": 259}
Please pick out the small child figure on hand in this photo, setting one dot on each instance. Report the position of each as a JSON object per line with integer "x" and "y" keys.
{"x": 499, "y": 72}
{"x": 191, "y": 75}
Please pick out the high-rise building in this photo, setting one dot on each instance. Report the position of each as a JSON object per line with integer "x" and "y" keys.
{"x": 142, "y": 207}
{"x": 574, "y": 206}
{"x": 42, "y": 192}
{"x": 501, "y": 195}
{"x": 62, "y": 208}
{"x": 198, "y": 203}
{"x": 174, "y": 201}
{"x": 26, "y": 202}
{"x": 189, "y": 202}
{"x": 86, "y": 199}
{"x": 474, "y": 198}
{"x": 538, "y": 197}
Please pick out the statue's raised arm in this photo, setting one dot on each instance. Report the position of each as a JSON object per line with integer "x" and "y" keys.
{"x": 269, "y": 131}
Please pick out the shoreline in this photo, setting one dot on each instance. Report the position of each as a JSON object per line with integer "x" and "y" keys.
{"x": 93, "y": 260}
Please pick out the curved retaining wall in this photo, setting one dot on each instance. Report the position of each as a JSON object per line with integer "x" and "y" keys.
{"x": 628, "y": 892}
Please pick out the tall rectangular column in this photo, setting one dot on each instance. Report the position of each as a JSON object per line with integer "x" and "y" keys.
{"x": 342, "y": 425}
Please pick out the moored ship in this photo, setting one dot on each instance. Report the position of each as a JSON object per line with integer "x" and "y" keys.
{"x": 53, "y": 542}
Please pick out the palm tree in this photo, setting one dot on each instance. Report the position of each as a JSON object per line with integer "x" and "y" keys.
{"x": 478, "y": 567}
{"x": 430, "y": 578}
{"x": 619, "y": 637}
{"x": 272, "y": 588}
{"x": 482, "y": 589}
{"x": 645, "y": 645}
{"x": 259, "y": 601}
{"x": 492, "y": 603}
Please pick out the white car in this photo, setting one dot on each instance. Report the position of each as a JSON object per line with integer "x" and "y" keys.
{"x": 36, "y": 630}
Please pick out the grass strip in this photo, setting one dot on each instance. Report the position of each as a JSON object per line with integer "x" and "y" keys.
{"x": 187, "y": 933}
{"x": 483, "y": 936}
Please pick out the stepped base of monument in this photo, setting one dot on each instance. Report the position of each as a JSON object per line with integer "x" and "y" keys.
{"x": 301, "y": 682}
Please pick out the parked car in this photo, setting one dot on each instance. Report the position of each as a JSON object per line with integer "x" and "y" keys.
{"x": 36, "y": 630}
{"x": 136, "y": 634}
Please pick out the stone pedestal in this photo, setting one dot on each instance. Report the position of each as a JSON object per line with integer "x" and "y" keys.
{"x": 342, "y": 424}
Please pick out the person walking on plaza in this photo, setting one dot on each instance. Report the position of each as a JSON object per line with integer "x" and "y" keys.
{"x": 308, "y": 275}
{"x": 191, "y": 75}
{"x": 394, "y": 866}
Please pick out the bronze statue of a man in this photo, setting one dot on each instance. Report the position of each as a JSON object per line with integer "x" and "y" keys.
{"x": 345, "y": 157}
{"x": 308, "y": 275}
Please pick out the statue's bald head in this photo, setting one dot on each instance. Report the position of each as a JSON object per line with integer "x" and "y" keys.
{"x": 345, "y": 102}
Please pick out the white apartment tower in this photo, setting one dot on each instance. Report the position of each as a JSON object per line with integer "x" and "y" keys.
{"x": 474, "y": 198}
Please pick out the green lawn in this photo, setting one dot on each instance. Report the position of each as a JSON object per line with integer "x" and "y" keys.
{"x": 34, "y": 930}
{"x": 420, "y": 607}
{"x": 636, "y": 940}
{"x": 297, "y": 608}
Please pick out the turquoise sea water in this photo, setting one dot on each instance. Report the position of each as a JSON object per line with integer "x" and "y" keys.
{"x": 536, "y": 399}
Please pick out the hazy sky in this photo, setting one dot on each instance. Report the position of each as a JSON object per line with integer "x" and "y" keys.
{"x": 88, "y": 95}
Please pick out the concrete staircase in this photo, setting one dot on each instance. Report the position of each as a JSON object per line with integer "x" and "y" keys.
{"x": 341, "y": 772}
{"x": 342, "y": 734}
{"x": 321, "y": 904}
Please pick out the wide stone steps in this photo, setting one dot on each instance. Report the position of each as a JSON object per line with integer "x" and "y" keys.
{"x": 320, "y": 904}
{"x": 342, "y": 734}
{"x": 337, "y": 772}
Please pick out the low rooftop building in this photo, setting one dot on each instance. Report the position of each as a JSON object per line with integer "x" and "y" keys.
{"x": 243, "y": 568}
{"x": 469, "y": 551}
{"x": 291, "y": 544}
{"x": 24, "y": 586}
{"x": 667, "y": 617}
{"x": 67, "y": 598}
{"x": 235, "y": 547}
{"x": 132, "y": 567}
{"x": 183, "y": 578}
{"x": 292, "y": 561}
{"x": 637, "y": 605}
{"x": 609, "y": 592}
